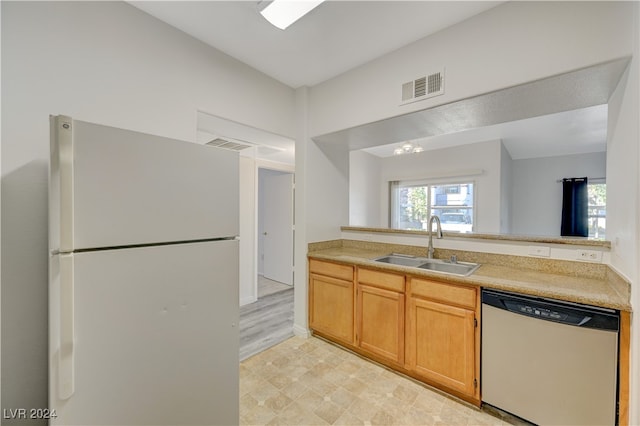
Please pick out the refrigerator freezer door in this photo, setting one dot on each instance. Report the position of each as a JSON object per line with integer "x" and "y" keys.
{"x": 112, "y": 187}
{"x": 155, "y": 336}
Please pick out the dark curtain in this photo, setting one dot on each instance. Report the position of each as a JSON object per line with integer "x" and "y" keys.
{"x": 575, "y": 208}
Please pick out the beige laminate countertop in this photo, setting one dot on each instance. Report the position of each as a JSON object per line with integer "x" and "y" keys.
{"x": 610, "y": 291}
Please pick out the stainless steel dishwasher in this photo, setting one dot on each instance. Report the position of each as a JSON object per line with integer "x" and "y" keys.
{"x": 549, "y": 362}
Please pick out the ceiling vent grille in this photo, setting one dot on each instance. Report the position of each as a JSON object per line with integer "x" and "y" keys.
{"x": 223, "y": 143}
{"x": 423, "y": 88}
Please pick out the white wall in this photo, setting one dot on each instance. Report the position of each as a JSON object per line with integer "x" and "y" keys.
{"x": 436, "y": 166}
{"x": 506, "y": 192}
{"x": 536, "y": 199}
{"x": 321, "y": 201}
{"x": 104, "y": 62}
{"x": 514, "y": 196}
{"x": 327, "y": 177}
{"x": 301, "y": 201}
{"x": 482, "y": 245}
{"x": 364, "y": 190}
{"x": 514, "y": 43}
{"x": 248, "y": 292}
{"x": 623, "y": 196}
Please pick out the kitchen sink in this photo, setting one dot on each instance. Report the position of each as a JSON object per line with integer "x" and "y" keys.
{"x": 402, "y": 259}
{"x": 460, "y": 268}
{"x": 437, "y": 265}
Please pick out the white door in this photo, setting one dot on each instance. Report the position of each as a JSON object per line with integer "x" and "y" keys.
{"x": 278, "y": 228}
{"x": 113, "y": 187}
{"x": 145, "y": 335}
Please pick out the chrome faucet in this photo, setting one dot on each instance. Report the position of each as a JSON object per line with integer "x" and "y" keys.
{"x": 438, "y": 235}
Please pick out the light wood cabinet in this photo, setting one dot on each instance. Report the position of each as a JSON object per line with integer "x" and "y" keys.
{"x": 331, "y": 300}
{"x": 380, "y": 314}
{"x": 442, "y": 337}
{"x": 421, "y": 327}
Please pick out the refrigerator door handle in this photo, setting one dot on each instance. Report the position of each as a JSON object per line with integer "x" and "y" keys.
{"x": 67, "y": 332}
{"x": 61, "y": 185}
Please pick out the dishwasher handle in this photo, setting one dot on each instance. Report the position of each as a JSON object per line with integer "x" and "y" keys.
{"x": 554, "y": 310}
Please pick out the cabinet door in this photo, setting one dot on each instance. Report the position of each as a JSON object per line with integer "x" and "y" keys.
{"x": 440, "y": 344}
{"x": 380, "y": 322}
{"x": 331, "y": 307}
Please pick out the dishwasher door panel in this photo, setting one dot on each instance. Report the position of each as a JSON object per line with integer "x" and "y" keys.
{"x": 546, "y": 372}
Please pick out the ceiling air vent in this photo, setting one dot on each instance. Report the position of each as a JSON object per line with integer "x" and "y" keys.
{"x": 223, "y": 143}
{"x": 423, "y": 88}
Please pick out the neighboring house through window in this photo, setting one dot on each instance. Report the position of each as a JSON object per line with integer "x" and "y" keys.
{"x": 413, "y": 203}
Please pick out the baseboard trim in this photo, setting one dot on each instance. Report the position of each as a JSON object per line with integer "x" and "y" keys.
{"x": 248, "y": 300}
{"x": 301, "y": 331}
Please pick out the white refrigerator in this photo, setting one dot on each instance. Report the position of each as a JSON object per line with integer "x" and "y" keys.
{"x": 143, "y": 291}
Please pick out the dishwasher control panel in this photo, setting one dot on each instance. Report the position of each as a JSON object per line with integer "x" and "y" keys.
{"x": 539, "y": 311}
{"x": 553, "y": 310}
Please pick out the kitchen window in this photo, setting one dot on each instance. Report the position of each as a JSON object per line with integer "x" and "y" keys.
{"x": 412, "y": 203}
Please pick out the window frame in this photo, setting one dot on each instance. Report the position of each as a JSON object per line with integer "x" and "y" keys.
{"x": 395, "y": 185}
{"x": 590, "y": 216}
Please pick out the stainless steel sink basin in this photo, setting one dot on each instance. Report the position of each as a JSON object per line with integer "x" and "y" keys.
{"x": 460, "y": 268}
{"x": 402, "y": 259}
{"x": 437, "y": 265}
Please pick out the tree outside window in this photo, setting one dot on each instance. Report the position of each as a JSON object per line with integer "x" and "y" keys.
{"x": 413, "y": 204}
{"x": 597, "y": 216}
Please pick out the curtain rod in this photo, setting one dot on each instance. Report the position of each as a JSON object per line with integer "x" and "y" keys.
{"x": 589, "y": 178}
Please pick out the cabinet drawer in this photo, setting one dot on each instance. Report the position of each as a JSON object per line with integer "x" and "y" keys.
{"x": 381, "y": 279}
{"x": 443, "y": 292}
{"x": 335, "y": 270}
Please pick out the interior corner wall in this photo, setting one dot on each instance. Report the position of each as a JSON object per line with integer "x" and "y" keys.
{"x": 327, "y": 174}
{"x": 364, "y": 191}
{"x": 514, "y": 43}
{"x": 109, "y": 63}
{"x": 248, "y": 275}
{"x": 537, "y": 208}
{"x": 300, "y": 295}
{"x": 506, "y": 190}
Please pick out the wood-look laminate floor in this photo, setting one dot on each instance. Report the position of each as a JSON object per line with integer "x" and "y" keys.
{"x": 267, "y": 286}
{"x": 268, "y": 321}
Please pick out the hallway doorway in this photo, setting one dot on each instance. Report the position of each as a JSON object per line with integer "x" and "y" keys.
{"x": 275, "y": 225}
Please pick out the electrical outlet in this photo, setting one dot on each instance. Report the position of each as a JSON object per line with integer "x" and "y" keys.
{"x": 541, "y": 251}
{"x": 589, "y": 255}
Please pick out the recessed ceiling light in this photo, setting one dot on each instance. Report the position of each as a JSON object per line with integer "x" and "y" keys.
{"x": 282, "y": 13}
{"x": 408, "y": 148}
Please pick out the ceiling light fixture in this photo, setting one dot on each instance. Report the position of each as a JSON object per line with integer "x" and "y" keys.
{"x": 408, "y": 148}
{"x": 282, "y": 13}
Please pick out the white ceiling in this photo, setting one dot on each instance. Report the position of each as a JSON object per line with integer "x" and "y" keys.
{"x": 333, "y": 38}
{"x": 263, "y": 144}
{"x": 340, "y": 35}
{"x": 565, "y": 133}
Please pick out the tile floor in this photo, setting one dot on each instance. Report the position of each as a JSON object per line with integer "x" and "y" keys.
{"x": 311, "y": 382}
